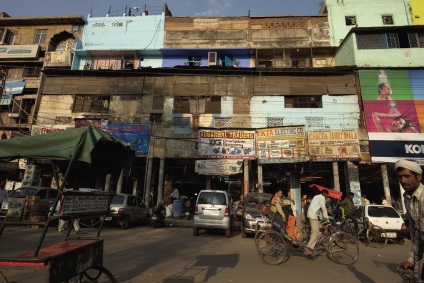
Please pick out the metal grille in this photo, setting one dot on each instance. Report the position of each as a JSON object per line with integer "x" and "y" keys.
{"x": 314, "y": 122}
{"x": 222, "y": 122}
{"x": 416, "y": 39}
{"x": 371, "y": 40}
{"x": 91, "y": 103}
{"x": 158, "y": 102}
{"x": 275, "y": 122}
{"x": 392, "y": 40}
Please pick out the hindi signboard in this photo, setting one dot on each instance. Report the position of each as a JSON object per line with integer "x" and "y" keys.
{"x": 219, "y": 167}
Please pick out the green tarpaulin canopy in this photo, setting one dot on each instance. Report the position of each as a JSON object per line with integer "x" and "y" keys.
{"x": 86, "y": 146}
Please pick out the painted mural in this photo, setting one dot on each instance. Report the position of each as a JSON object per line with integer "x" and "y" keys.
{"x": 393, "y": 103}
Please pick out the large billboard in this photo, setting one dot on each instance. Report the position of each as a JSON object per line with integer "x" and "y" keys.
{"x": 281, "y": 145}
{"x": 393, "y": 103}
{"x": 231, "y": 144}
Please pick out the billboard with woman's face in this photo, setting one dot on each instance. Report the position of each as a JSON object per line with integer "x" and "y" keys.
{"x": 393, "y": 103}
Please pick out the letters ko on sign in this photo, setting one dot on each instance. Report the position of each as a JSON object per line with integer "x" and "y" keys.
{"x": 414, "y": 148}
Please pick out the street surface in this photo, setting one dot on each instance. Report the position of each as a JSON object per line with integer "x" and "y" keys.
{"x": 174, "y": 255}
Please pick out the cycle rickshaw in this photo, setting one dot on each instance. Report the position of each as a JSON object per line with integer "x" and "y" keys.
{"x": 273, "y": 248}
{"x": 71, "y": 153}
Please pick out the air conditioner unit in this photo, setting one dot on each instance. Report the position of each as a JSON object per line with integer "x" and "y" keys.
{"x": 212, "y": 58}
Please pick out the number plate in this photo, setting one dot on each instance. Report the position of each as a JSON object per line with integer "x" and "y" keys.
{"x": 211, "y": 212}
{"x": 108, "y": 218}
{"x": 391, "y": 235}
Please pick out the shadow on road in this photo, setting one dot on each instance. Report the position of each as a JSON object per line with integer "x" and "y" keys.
{"x": 206, "y": 266}
{"x": 361, "y": 276}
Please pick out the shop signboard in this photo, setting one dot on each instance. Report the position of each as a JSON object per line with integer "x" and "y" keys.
{"x": 281, "y": 145}
{"x": 136, "y": 134}
{"x": 40, "y": 130}
{"x": 219, "y": 167}
{"x": 229, "y": 144}
{"x": 333, "y": 145}
{"x": 19, "y": 51}
{"x": 58, "y": 58}
{"x": 394, "y": 111}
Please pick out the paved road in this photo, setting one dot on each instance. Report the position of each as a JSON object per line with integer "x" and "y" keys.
{"x": 174, "y": 255}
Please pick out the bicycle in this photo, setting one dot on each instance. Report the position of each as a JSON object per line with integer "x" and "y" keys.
{"x": 372, "y": 235}
{"x": 342, "y": 247}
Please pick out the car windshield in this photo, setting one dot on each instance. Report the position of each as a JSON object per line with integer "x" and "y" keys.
{"x": 212, "y": 198}
{"x": 382, "y": 211}
{"x": 254, "y": 200}
{"x": 23, "y": 192}
{"x": 118, "y": 199}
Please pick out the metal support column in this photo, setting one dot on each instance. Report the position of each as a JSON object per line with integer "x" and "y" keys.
{"x": 120, "y": 181}
{"x": 148, "y": 181}
{"x": 386, "y": 184}
{"x": 260, "y": 177}
{"x": 246, "y": 177}
{"x": 336, "y": 176}
{"x": 160, "y": 184}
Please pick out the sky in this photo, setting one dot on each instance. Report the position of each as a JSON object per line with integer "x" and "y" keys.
{"x": 187, "y": 8}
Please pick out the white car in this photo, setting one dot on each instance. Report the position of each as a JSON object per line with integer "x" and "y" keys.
{"x": 387, "y": 218}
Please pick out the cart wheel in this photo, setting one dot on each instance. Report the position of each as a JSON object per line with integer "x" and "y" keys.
{"x": 376, "y": 236}
{"x": 272, "y": 247}
{"x": 343, "y": 248}
{"x": 97, "y": 274}
{"x": 125, "y": 223}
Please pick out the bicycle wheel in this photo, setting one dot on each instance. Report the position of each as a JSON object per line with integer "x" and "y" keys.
{"x": 376, "y": 236}
{"x": 97, "y": 274}
{"x": 349, "y": 227}
{"x": 272, "y": 247}
{"x": 343, "y": 248}
{"x": 258, "y": 231}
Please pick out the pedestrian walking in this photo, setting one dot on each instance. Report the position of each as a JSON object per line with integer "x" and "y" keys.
{"x": 409, "y": 175}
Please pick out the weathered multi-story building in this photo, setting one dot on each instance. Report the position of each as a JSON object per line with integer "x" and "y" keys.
{"x": 27, "y": 45}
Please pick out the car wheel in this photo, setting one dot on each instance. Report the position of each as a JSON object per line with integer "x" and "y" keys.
{"x": 243, "y": 233}
{"x": 125, "y": 223}
{"x": 195, "y": 231}
{"x": 228, "y": 233}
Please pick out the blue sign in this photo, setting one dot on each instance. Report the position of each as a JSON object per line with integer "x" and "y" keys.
{"x": 136, "y": 134}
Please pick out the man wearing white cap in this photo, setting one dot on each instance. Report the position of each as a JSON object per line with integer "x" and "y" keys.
{"x": 409, "y": 175}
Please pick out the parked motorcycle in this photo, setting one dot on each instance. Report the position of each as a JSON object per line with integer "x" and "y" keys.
{"x": 188, "y": 208}
{"x": 158, "y": 216}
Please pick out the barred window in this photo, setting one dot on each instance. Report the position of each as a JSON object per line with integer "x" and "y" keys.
{"x": 387, "y": 20}
{"x": 385, "y": 40}
{"x": 40, "y": 36}
{"x": 181, "y": 104}
{"x": 303, "y": 101}
{"x": 314, "y": 122}
{"x": 91, "y": 104}
{"x": 31, "y": 71}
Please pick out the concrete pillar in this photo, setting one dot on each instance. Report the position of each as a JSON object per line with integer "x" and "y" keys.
{"x": 260, "y": 176}
{"x": 246, "y": 177}
{"x": 148, "y": 181}
{"x": 135, "y": 187}
{"x": 160, "y": 184}
{"x": 120, "y": 181}
{"x": 386, "y": 184}
{"x": 295, "y": 194}
{"x": 336, "y": 176}
{"x": 107, "y": 182}
{"x": 353, "y": 181}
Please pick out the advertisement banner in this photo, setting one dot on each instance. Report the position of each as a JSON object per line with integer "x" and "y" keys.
{"x": 231, "y": 144}
{"x": 218, "y": 167}
{"x": 281, "y": 145}
{"x": 394, "y": 111}
{"x": 333, "y": 145}
{"x": 136, "y": 134}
